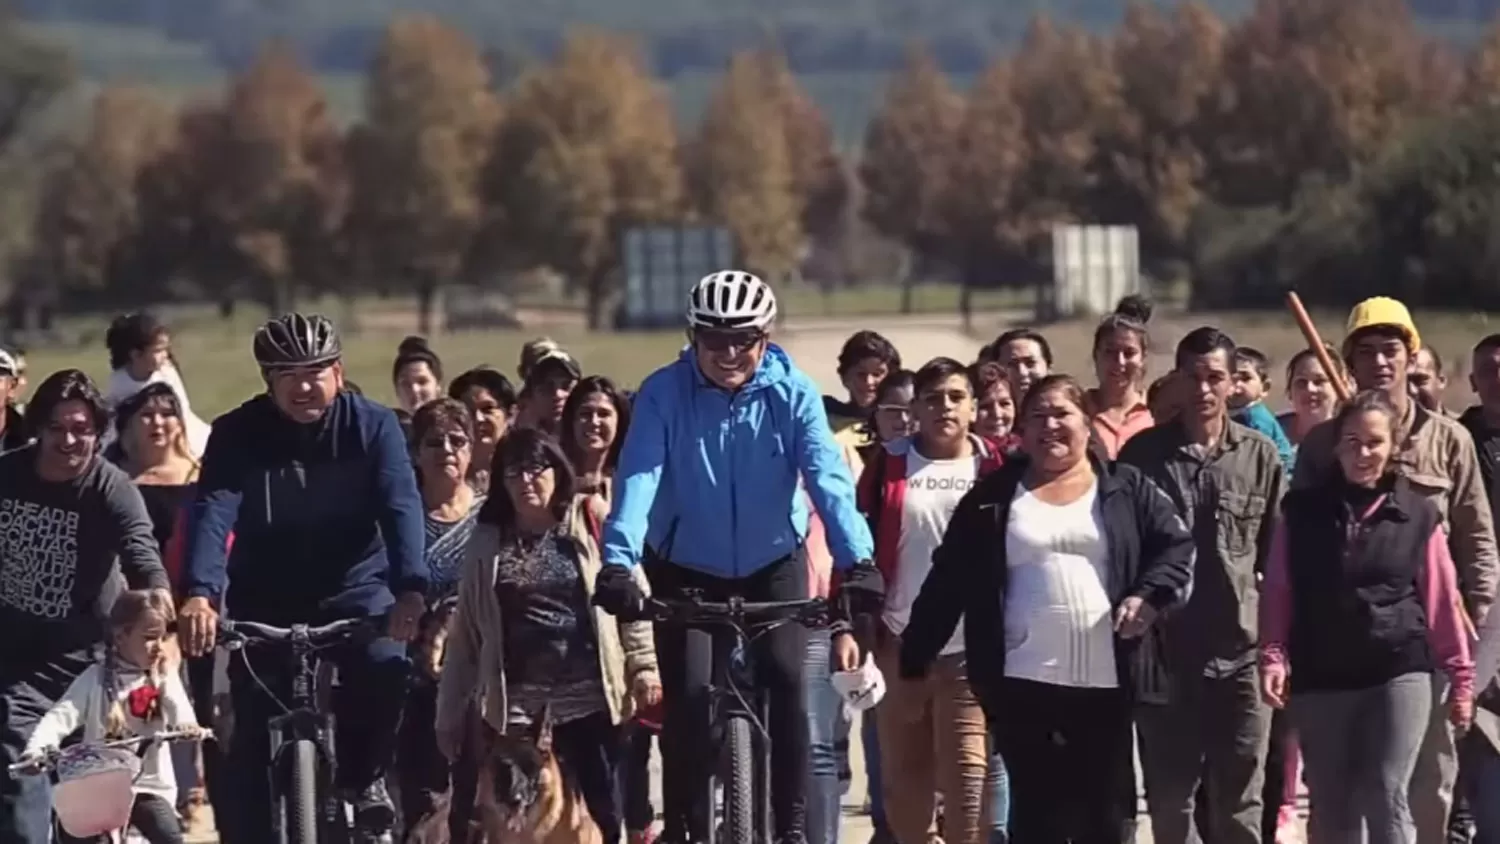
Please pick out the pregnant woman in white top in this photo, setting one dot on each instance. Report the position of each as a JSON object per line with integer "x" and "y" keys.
{"x": 1058, "y": 564}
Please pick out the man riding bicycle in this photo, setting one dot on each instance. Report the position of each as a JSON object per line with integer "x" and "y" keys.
{"x": 707, "y": 496}
{"x": 316, "y": 484}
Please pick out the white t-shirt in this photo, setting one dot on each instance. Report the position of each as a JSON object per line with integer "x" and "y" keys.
{"x": 1058, "y": 617}
{"x": 933, "y": 489}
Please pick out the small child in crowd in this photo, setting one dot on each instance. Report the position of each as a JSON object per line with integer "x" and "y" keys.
{"x": 132, "y": 691}
{"x": 1252, "y": 383}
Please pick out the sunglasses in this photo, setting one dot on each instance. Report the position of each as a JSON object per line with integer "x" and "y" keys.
{"x": 457, "y": 442}
{"x": 534, "y": 471}
{"x": 723, "y": 341}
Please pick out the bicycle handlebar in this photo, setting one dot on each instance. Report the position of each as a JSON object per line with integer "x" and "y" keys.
{"x": 254, "y": 633}
{"x": 810, "y": 612}
{"x": 49, "y": 758}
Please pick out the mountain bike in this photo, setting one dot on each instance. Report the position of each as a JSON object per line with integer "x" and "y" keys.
{"x": 738, "y": 708}
{"x": 307, "y": 808}
{"x": 95, "y": 789}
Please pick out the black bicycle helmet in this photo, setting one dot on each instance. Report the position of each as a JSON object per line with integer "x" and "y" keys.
{"x": 297, "y": 340}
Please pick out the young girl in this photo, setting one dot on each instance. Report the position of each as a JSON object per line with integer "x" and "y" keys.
{"x": 131, "y": 692}
{"x": 140, "y": 353}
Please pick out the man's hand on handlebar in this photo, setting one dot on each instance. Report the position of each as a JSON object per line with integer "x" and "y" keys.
{"x": 198, "y": 626}
{"x": 406, "y": 616}
{"x": 617, "y": 592}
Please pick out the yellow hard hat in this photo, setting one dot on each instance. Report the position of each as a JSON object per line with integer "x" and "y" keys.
{"x": 1382, "y": 312}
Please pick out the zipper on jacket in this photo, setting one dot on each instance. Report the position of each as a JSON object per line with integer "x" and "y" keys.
{"x": 734, "y": 503}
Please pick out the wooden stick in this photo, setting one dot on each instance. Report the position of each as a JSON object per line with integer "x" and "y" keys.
{"x": 1315, "y": 343}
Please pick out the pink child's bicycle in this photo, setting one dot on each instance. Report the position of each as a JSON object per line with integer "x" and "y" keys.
{"x": 94, "y": 790}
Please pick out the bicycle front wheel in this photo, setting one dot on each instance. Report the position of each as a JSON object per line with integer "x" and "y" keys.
{"x": 300, "y": 800}
{"x": 739, "y": 783}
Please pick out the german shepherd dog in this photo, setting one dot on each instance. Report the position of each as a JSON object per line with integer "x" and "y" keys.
{"x": 525, "y": 796}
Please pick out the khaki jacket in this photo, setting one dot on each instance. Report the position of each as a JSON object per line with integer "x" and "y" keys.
{"x": 474, "y": 665}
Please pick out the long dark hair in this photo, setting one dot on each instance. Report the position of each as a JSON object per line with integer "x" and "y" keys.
{"x": 519, "y": 449}
{"x": 66, "y": 385}
{"x": 591, "y": 386}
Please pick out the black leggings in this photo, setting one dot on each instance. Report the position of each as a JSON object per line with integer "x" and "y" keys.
{"x": 635, "y": 778}
{"x": 686, "y": 659}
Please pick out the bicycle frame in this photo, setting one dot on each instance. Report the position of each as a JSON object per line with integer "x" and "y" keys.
{"x": 303, "y": 719}
{"x": 732, "y": 693}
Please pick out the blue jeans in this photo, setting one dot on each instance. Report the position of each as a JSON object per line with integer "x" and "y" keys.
{"x": 26, "y": 693}
{"x": 997, "y": 786}
{"x": 827, "y": 727}
{"x": 870, "y": 741}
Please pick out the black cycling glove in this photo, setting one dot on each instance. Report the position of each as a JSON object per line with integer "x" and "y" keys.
{"x": 861, "y": 590}
{"x": 617, "y": 592}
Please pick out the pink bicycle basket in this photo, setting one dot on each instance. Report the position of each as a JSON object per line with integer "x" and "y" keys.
{"x": 94, "y": 793}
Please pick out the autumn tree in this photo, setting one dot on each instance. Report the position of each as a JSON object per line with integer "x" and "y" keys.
{"x": 430, "y": 119}
{"x": 742, "y": 174}
{"x": 279, "y": 189}
{"x": 1315, "y": 88}
{"x": 88, "y": 223}
{"x": 1069, "y": 96}
{"x": 907, "y": 158}
{"x": 1170, "y": 66}
{"x": 818, "y": 174}
{"x": 988, "y": 158}
{"x": 588, "y": 150}
{"x": 1482, "y": 75}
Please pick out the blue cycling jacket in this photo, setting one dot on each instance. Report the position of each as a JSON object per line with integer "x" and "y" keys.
{"x": 326, "y": 516}
{"x": 709, "y": 479}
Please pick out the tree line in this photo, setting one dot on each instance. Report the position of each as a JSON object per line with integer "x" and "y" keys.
{"x": 1321, "y": 143}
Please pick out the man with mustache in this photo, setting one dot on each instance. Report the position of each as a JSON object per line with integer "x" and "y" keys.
{"x": 1203, "y": 722}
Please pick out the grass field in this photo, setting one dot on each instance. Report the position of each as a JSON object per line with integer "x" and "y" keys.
{"x": 215, "y": 355}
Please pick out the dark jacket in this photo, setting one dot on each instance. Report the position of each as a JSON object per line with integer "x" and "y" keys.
{"x": 326, "y": 516}
{"x": 16, "y": 435}
{"x": 1150, "y": 556}
{"x": 1357, "y": 614}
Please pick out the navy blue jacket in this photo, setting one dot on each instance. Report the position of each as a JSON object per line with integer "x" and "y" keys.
{"x": 327, "y": 519}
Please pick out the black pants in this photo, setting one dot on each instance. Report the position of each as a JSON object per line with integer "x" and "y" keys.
{"x": 589, "y": 749}
{"x": 367, "y": 707}
{"x": 635, "y": 778}
{"x": 27, "y": 691}
{"x": 686, "y": 659}
{"x": 1068, "y": 752}
{"x": 1281, "y": 731}
{"x": 427, "y": 783}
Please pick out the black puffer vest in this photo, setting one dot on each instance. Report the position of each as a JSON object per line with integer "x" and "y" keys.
{"x": 1357, "y": 613}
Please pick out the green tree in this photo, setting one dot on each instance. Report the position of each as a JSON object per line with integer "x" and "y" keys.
{"x": 908, "y": 156}
{"x": 988, "y": 158}
{"x": 742, "y": 170}
{"x": 280, "y": 190}
{"x": 589, "y": 149}
{"x": 818, "y": 174}
{"x": 1069, "y": 94}
{"x": 1171, "y": 70}
{"x": 31, "y": 75}
{"x": 89, "y": 220}
{"x": 417, "y": 158}
{"x": 1315, "y": 90}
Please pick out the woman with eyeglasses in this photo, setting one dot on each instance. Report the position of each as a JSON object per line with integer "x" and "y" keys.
{"x": 432, "y": 793}
{"x": 491, "y": 400}
{"x": 526, "y": 635}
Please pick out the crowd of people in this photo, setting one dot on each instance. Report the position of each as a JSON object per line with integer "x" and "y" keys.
{"x": 1065, "y": 575}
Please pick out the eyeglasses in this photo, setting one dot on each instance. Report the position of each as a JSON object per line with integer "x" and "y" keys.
{"x": 457, "y": 442}
{"x": 723, "y": 341}
{"x": 533, "y": 472}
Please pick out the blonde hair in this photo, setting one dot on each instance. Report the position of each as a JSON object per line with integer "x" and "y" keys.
{"x": 132, "y": 609}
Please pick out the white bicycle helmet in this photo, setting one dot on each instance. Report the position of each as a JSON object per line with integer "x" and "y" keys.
{"x": 731, "y": 299}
